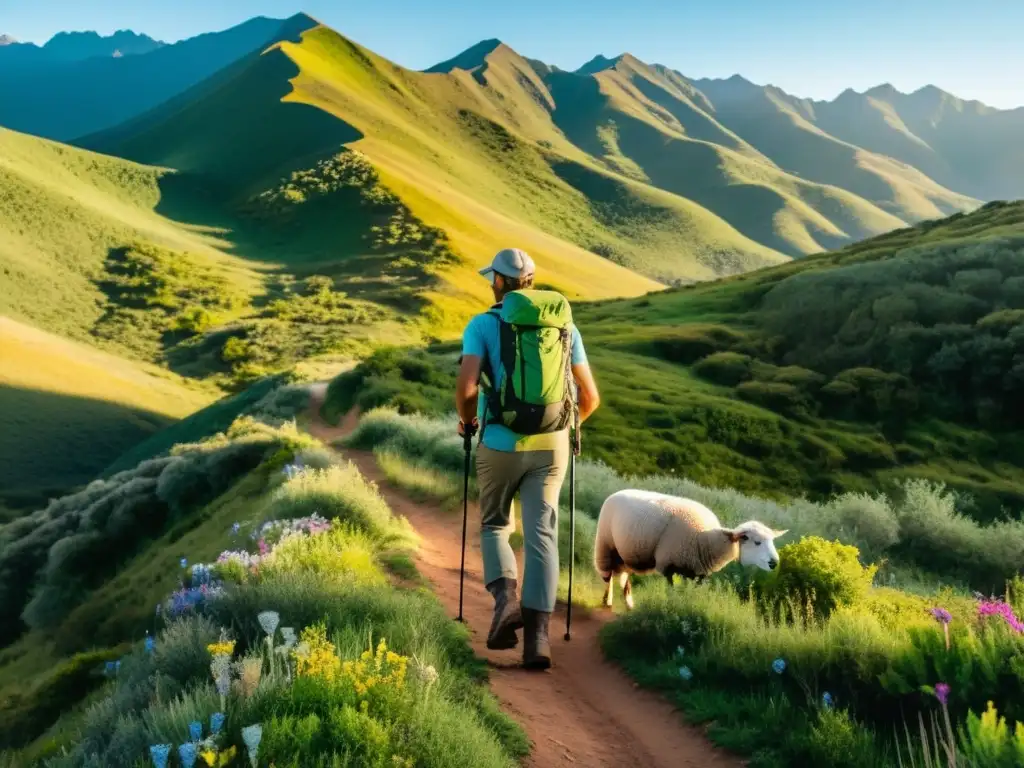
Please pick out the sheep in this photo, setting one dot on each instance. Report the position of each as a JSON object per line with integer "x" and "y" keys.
{"x": 642, "y": 532}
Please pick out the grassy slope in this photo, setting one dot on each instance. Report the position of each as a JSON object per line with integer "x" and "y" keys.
{"x": 69, "y": 410}
{"x": 659, "y": 415}
{"x": 963, "y": 145}
{"x": 972, "y": 458}
{"x": 784, "y": 129}
{"x": 63, "y": 210}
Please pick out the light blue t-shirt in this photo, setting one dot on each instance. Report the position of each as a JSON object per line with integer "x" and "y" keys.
{"x": 482, "y": 337}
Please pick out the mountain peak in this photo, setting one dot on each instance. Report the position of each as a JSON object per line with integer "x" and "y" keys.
{"x": 78, "y": 46}
{"x": 471, "y": 58}
{"x": 7, "y": 40}
{"x": 600, "y": 63}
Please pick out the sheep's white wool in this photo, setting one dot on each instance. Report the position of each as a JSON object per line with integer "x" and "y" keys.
{"x": 644, "y": 531}
{"x": 632, "y": 523}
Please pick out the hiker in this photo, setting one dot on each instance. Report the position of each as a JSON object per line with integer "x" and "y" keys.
{"x": 533, "y": 464}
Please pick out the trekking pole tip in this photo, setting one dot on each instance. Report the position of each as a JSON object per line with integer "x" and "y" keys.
{"x": 568, "y": 637}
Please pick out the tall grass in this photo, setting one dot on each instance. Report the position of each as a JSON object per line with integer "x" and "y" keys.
{"x": 922, "y": 529}
{"x": 333, "y": 578}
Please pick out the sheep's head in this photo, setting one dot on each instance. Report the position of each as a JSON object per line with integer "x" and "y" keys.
{"x": 757, "y": 546}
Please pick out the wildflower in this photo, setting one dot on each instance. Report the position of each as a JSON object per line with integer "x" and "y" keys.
{"x": 221, "y": 648}
{"x": 941, "y": 615}
{"x": 779, "y": 665}
{"x": 826, "y": 700}
{"x": 159, "y": 753}
{"x": 685, "y": 673}
{"x": 680, "y": 651}
{"x": 184, "y": 562}
{"x": 150, "y": 644}
{"x": 942, "y": 693}
{"x": 187, "y": 753}
{"x": 425, "y": 673}
{"x": 251, "y": 735}
{"x": 288, "y": 633}
{"x": 236, "y": 527}
{"x": 216, "y": 722}
{"x": 250, "y": 671}
{"x": 269, "y": 621}
{"x": 195, "y": 730}
{"x": 109, "y": 668}
{"x": 999, "y": 608}
{"x": 944, "y": 618}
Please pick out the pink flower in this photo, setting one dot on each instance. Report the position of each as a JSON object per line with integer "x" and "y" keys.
{"x": 942, "y": 693}
{"x": 999, "y": 608}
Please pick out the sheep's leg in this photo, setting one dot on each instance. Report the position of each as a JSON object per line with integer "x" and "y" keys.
{"x": 627, "y": 589}
{"x": 607, "y": 599}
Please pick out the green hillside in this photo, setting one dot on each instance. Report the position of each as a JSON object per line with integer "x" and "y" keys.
{"x": 897, "y": 357}
{"x": 68, "y": 410}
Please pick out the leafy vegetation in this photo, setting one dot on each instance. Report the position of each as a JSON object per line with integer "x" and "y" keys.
{"x": 848, "y": 613}
{"x": 704, "y": 382}
{"x": 376, "y": 675}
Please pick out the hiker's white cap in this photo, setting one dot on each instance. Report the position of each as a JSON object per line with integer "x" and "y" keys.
{"x": 510, "y": 262}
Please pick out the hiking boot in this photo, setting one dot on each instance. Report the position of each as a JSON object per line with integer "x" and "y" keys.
{"x": 536, "y": 647}
{"x": 507, "y": 615}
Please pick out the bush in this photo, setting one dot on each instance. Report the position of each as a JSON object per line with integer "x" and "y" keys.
{"x": 777, "y": 396}
{"x": 689, "y": 343}
{"x": 24, "y": 716}
{"x": 728, "y": 368}
{"x": 340, "y": 493}
{"x": 816, "y": 575}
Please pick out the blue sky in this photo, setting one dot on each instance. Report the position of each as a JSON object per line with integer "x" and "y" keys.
{"x": 813, "y": 48}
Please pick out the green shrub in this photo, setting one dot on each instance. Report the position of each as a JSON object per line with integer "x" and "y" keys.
{"x": 777, "y": 396}
{"x": 728, "y": 368}
{"x": 815, "y": 574}
{"x": 986, "y": 740}
{"x": 24, "y": 716}
{"x": 689, "y": 343}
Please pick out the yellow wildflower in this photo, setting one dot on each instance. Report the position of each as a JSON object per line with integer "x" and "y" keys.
{"x": 319, "y": 658}
{"x": 223, "y": 648}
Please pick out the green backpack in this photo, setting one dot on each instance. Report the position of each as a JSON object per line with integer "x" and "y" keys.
{"x": 537, "y": 393}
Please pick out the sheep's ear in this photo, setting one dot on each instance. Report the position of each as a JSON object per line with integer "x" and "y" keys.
{"x": 733, "y": 536}
{"x": 776, "y": 534}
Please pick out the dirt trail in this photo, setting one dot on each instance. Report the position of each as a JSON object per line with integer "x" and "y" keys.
{"x": 583, "y": 712}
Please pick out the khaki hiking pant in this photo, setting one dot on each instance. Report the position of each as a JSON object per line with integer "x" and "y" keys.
{"x": 537, "y": 477}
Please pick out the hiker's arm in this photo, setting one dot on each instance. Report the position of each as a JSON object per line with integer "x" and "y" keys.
{"x": 589, "y": 397}
{"x": 467, "y": 388}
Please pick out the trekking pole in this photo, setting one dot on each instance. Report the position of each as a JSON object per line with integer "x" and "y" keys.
{"x": 575, "y": 449}
{"x": 467, "y": 445}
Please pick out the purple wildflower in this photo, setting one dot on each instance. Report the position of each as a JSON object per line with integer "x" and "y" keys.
{"x": 941, "y": 615}
{"x": 150, "y": 644}
{"x": 942, "y": 693}
{"x": 999, "y": 608}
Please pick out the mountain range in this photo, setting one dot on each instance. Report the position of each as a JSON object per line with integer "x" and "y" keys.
{"x": 243, "y": 201}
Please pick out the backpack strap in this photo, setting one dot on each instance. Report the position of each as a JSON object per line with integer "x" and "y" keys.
{"x": 491, "y": 388}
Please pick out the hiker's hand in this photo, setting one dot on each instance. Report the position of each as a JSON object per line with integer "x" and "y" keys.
{"x": 469, "y": 429}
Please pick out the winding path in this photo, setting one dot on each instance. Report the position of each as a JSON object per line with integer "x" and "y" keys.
{"x": 583, "y": 712}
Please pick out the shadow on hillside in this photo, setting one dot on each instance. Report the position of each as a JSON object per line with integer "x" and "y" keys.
{"x": 52, "y": 442}
{"x": 694, "y": 170}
